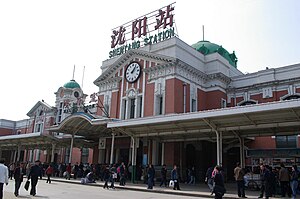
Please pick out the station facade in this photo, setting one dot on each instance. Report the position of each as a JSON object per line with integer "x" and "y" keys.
{"x": 166, "y": 102}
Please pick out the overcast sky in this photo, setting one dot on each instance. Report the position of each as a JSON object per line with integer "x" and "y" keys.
{"x": 41, "y": 41}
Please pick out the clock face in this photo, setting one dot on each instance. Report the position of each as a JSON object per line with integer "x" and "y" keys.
{"x": 133, "y": 71}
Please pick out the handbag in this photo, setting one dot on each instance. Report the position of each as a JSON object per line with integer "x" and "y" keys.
{"x": 26, "y": 186}
{"x": 171, "y": 183}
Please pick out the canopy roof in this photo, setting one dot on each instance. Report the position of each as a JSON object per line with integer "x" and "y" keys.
{"x": 269, "y": 119}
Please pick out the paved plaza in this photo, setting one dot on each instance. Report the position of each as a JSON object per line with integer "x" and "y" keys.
{"x": 72, "y": 189}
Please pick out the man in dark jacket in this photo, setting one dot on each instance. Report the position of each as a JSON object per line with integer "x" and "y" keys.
{"x": 163, "y": 176}
{"x": 34, "y": 174}
{"x": 18, "y": 176}
{"x": 151, "y": 174}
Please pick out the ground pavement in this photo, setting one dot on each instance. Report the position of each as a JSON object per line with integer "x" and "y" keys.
{"x": 197, "y": 190}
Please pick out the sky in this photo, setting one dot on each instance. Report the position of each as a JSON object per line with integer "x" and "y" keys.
{"x": 41, "y": 41}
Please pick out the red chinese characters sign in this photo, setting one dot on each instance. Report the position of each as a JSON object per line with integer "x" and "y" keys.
{"x": 142, "y": 27}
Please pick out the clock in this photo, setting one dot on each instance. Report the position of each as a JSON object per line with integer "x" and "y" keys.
{"x": 133, "y": 72}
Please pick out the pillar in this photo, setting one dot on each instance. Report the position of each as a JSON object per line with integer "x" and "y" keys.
{"x": 162, "y": 153}
{"x": 52, "y": 152}
{"x": 0, "y": 153}
{"x": 133, "y": 158}
{"x": 242, "y": 150}
{"x": 112, "y": 148}
{"x": 71, "y": 148}
{"x": 19, "y": 152}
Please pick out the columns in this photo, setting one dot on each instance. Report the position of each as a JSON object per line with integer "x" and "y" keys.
{"x": 242, "y": 154}
{"x": 0, "y": 153}
{"x": 19, "y": 152}
{"x": 71, "y": 148}
{"x": 219, "y": 147}
{"x": 52, "y": 152}
{"x": 162, "y": 153}
{"x": 133, "y": 158}
{"x": 112, "y": 148}
{"x": 117, "y": 154}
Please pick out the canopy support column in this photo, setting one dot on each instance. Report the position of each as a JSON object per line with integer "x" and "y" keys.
{"x": 112, "y": 148}
{"x": 71, "y": 148}
{"x": 19, "y": 152}
{"x": 162, "y": 153}
{"x": 133, "y": 158}
{"x": 52, "y": 152}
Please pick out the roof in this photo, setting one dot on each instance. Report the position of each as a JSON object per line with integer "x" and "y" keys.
{"x": 274, "y": 118}
{"x": 72, "y": 84}
{"x": 206, "y": 48}
{"x": 39, "y": 103}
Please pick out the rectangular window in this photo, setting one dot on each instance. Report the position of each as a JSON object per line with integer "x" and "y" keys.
{"x": 132, "y": 108}
{"x": 286, "y": 141}
{"x": 160, "y": 105}
{"x": 124, "y": 109}
{"x": 140, "y": 106}
{"x": 223, "y": 103}
{"x": 194, "y": 107}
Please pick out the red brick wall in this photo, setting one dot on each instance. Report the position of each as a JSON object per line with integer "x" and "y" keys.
{"x": 201, "y": 95}
{"x": 149, "y": 100}
{"x": 114, "y": 108}
{"x": 4, "y": 131}
{"x": 169, "y": 153}
{"x": 262, "y": 143}
{"x": 214, "y": 99}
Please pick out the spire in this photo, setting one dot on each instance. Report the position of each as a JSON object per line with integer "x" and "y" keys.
{"x": 73, "y": 72}
{"x": 203, "y": 32}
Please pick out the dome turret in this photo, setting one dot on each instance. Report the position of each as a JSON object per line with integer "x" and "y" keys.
{"x": 72, "y": 84}
{"x": 206, "y": 48}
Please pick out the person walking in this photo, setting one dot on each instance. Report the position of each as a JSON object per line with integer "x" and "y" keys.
{"x": 284, "y": 179}
{"x": 3, "y": 176}
{"x": 106, "y": 177}
{"x": 263, "y": 180}
{"x": 175, "y": 177}
{"x": 34, "y": 174}
{"x": 163, "y": 173}
{"x": 239, "y": 178}
{"x": 18, "y": 176}
{"x": 151, "y": 174}
{"x": 68, "y": 171}
{"x": 49, "y": 171}
{"x": 12, "y": 167}
{"x": 294, "y": 180}
{"x": 192, "y": 174}
{"x": 219, "y": 188}
{"x": 208, "y": 178}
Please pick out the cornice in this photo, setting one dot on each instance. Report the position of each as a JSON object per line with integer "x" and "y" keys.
{"x": 109, "y": 84}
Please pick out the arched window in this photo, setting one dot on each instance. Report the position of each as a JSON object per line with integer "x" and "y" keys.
{"x": 291, "y": 97}
{"x": 248, "y": 102}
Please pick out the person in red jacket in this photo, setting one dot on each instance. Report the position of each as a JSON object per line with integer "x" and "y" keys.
{"x": 49, "y": 172}
{"x": 68, "y": 170}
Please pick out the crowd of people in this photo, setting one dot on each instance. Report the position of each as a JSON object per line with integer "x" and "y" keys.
{"x": 273, "y": 181}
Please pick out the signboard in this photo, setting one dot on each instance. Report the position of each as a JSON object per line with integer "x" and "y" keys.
{"x": 149, "y": 29}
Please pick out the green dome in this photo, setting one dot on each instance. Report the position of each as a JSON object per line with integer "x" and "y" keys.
{"x": 72, "y": 84}
{"x": 206, "y": 48}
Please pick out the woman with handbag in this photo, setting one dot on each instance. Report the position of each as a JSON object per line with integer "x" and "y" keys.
{"x": 175, "y": 178}
{"x": 218, "y": 188}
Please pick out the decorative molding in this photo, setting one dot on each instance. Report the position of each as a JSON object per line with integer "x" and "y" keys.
{"x": 110, "y": 84}
{"x": 220, "y": 76}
